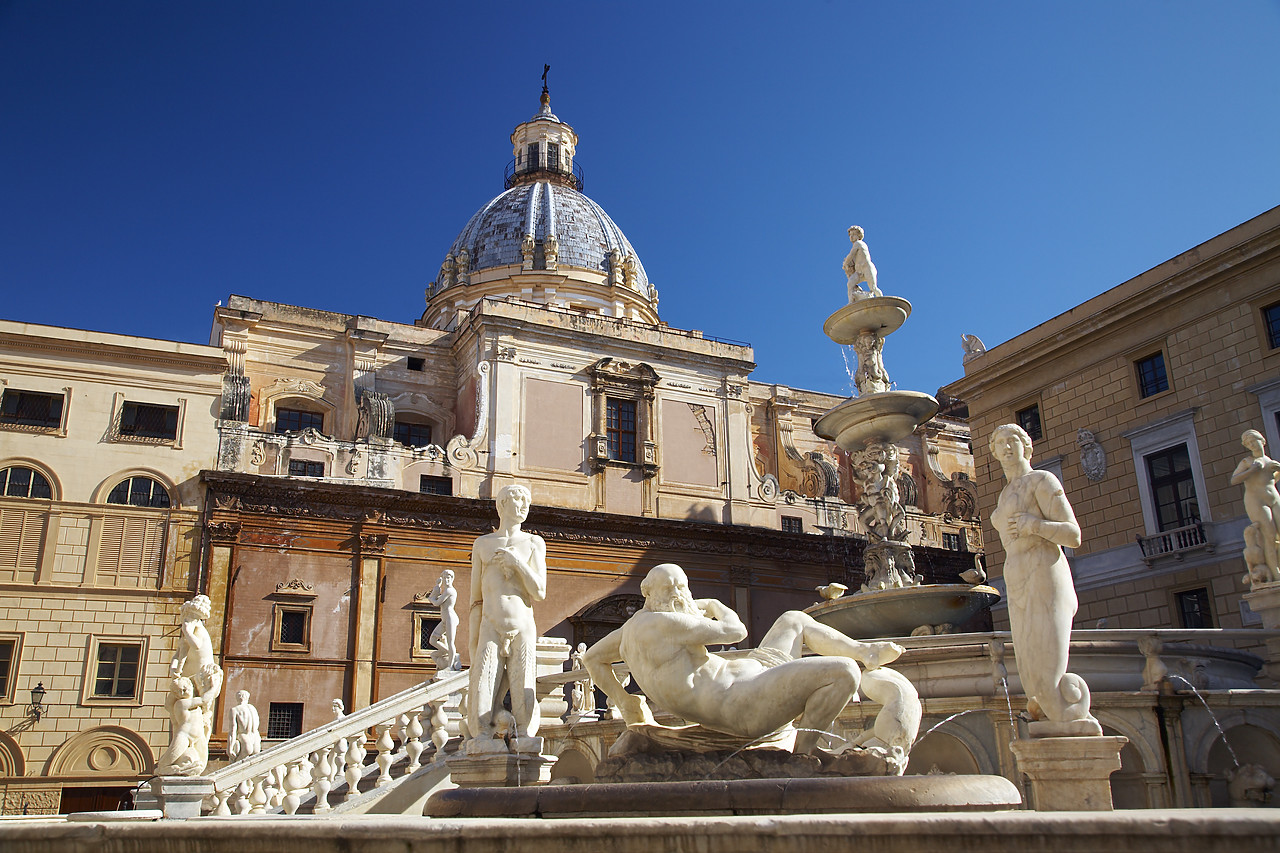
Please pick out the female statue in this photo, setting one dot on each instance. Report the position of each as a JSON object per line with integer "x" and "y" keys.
{"x": 1034, "y": 521}
{"x": 1258, "y": 473}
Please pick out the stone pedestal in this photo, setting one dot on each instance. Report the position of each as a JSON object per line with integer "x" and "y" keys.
{"x": 1264, "y": 600}
{"x": 495, "y": 764}
{"x": 1069, "y": 773}
{"x": 179, "y": 797}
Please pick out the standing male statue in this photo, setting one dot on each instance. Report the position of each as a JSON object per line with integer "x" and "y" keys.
{"x": 858, "y": 267}
{"x": 508, "y": 574}
{"x": 749, "y": 699}
{"x": 244, "y": 739}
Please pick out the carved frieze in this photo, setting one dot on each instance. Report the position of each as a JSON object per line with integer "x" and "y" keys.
{"x": 223, "y": 532}
{"x": 373, "y": 543}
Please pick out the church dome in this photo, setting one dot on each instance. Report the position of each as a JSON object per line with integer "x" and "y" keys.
{"x": 542, "y": 240}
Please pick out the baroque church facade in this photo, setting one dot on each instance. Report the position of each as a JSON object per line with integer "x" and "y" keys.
{"x": 353, "y": 459}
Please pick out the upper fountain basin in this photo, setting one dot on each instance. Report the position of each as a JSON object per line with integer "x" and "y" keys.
{"x": 886, "y": 416}
{"x": 879, "y": 314}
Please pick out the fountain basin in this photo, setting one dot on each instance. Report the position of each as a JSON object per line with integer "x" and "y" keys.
{"x": 887, "y": 416}
{"x": 898, "y": 612}
{"x": 880, "y": 314}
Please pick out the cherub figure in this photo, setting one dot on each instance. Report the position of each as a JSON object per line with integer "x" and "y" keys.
{"x": 188, "y": 751}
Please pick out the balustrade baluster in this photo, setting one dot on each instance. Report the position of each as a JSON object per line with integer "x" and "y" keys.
{"x": 295, "y": 785}
{"x": 355, "y": 765}
{"x": 241, "y": 800}
{"x": 322, "y": 779}
{"x": 439, "y": 732}
{"x": 275, "y": 786}
{"x": 221, "y": 797}
{"x": 258, "y": 799}
{"x": 412, "y": 729}
{"x": 385, "y": 746}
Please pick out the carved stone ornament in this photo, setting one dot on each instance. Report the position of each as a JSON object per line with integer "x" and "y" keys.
{"x": 223, "y": 531}
{"x": 973, "y": 347}
{"x": 373, "y": 543}
{"x": 1093, "y": 459}
{"x": 296, "y": 587}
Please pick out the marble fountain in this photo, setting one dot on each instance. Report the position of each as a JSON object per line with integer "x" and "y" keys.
{"x": 893, "y": 602}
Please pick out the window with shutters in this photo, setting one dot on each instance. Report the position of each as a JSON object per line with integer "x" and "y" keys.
{"x": 131, "y": 551}
{"x": 21, "y": 542}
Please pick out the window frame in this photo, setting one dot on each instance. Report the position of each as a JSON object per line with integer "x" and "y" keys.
{"x": 129, "y": 478}
{"x": 305, "y": 463}
{"x": 623, "y": 380}
{"x": 410, "y": 426}
{"x": 277, "y": 623}
{"x": 89, "y": 680}
{"x": 1178, "y": 428}
{"x": 9, "y": 687}
{"x": 1173, "y": 478}
{"x": 1176, "y": 597}
{"x": 18, "y": 463}
{"x": 117, "y": 434}
{"x": 621, "y": 442}
{"x": 275, "y": 421}
{"x": 302, "y": 713}
{"x": 423, "y": 479}
{"x": 795, "y": 520}
{"x": 58, "y": 429}
{"x": 1032, "y": 406}
{"x": 419, "y": 646}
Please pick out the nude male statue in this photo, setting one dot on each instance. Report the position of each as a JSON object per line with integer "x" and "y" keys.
{"x": 508, "y": 574}
{"x": 665, "y": 646}
{"x": 244, "y": 739}
{"x": 858, "y": 267}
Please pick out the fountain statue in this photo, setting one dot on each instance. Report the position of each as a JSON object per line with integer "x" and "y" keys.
{"x": 1034, "y": 522}
{"x": 772, "y": 697}
{"x": 892, "y": 602}
{"x": 196, "y": 681}
{"x": 444, "y": 637}
{"x": 244, "y": 739}
{"x": 1258, "y": 473}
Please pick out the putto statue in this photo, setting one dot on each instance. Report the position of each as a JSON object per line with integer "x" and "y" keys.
{"x": 508, "y": 574}
{"x": 1034, "y": 521}
{"x": 192, "y": 702}
{"x": 444, "y": 596}
{"x": 1258, "y": 473}
{"x": 858, "y": 267}
{"x": 771, "y": 697}
{"x": 244, "y": 739}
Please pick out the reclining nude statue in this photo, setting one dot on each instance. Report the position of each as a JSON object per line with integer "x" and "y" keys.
{"x": 744, "y": 701}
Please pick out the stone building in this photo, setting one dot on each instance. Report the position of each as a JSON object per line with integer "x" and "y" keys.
{"x": 1137, "y": 399}
{"x": 102, "y": 440}
{"x": 342, "y": 462}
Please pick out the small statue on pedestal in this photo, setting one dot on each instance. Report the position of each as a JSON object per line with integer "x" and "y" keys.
{"x": 244, "y": 739}
{"x": 858, "y": 267}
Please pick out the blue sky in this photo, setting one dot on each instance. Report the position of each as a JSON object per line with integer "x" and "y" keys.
{"x": 1008, "y": 160}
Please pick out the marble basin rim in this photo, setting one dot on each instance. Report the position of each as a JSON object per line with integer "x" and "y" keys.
{"x": 880, "y": 314}
{"x": 886, "y": 416}
{"x": 898, "y": 612}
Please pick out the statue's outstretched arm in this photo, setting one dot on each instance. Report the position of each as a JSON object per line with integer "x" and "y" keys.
{"x": 599, "y": 660}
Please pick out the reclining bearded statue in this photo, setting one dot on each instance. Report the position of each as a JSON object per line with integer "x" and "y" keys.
{"x": 772, "y": 696}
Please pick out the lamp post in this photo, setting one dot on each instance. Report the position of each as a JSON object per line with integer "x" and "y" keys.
{"x": 36, "y": 708}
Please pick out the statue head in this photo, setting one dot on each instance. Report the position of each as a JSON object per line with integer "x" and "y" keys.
{"x": 1254, "y": 440}
{"x": 197, "y": 608}
{"x": 242, "y": 696}
{"x": 513, "y": 502}
{"x": 998, "y": 435}
{"x": 446, "y": 577}
{"x": 855, "y": 233}
{"x": 582, "y": 647}
{"x": 183, "y": 687}
{"x": 338, "y": 707}
{"x": 666, "y": 590}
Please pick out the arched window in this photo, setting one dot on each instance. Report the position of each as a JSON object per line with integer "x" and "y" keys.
{"x": 139, "y": 491}
{"x": 19, "y": 481}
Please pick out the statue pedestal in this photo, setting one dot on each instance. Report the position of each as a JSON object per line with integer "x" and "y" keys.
{"x": 491, "y": 764}
{"x": 1264, "y": 600}
{"x": 1069, "y": 773}
{"x": 179, "y": 797}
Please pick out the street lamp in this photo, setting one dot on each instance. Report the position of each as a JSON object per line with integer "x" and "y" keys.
{"x": 36, "y": 708}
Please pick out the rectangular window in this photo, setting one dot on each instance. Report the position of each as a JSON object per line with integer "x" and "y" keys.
{"x": 1029, "y": 420}
{"x": 412, "y": 435}
{"x": 284, "y": 720}
{"x": 1193, "y": 608}
{"x": 1152, "y": 378}
{"x": 142, "y": 420}
{"x": 296, "y": 420}
{"x": 426, "y": 627}
{"x": 117, "y": 673}
{"x": 531, "y": 162}
{"x": 792, "y": 524}
{"x": 8, "y": 666}
{"x": 305, "y": 468}
{"x": 553, "y": 156}
{"x": 292, "y": 628}
{"x": 31, "y": 408}
{"x": 416, "y": 364}
{"x": 953, "y": 541}
{"x": 620, "y": 428}
{"x": 1173, "y": 488}
{"x": 1271, "y": 316}
{"x": 429, "y": 485}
